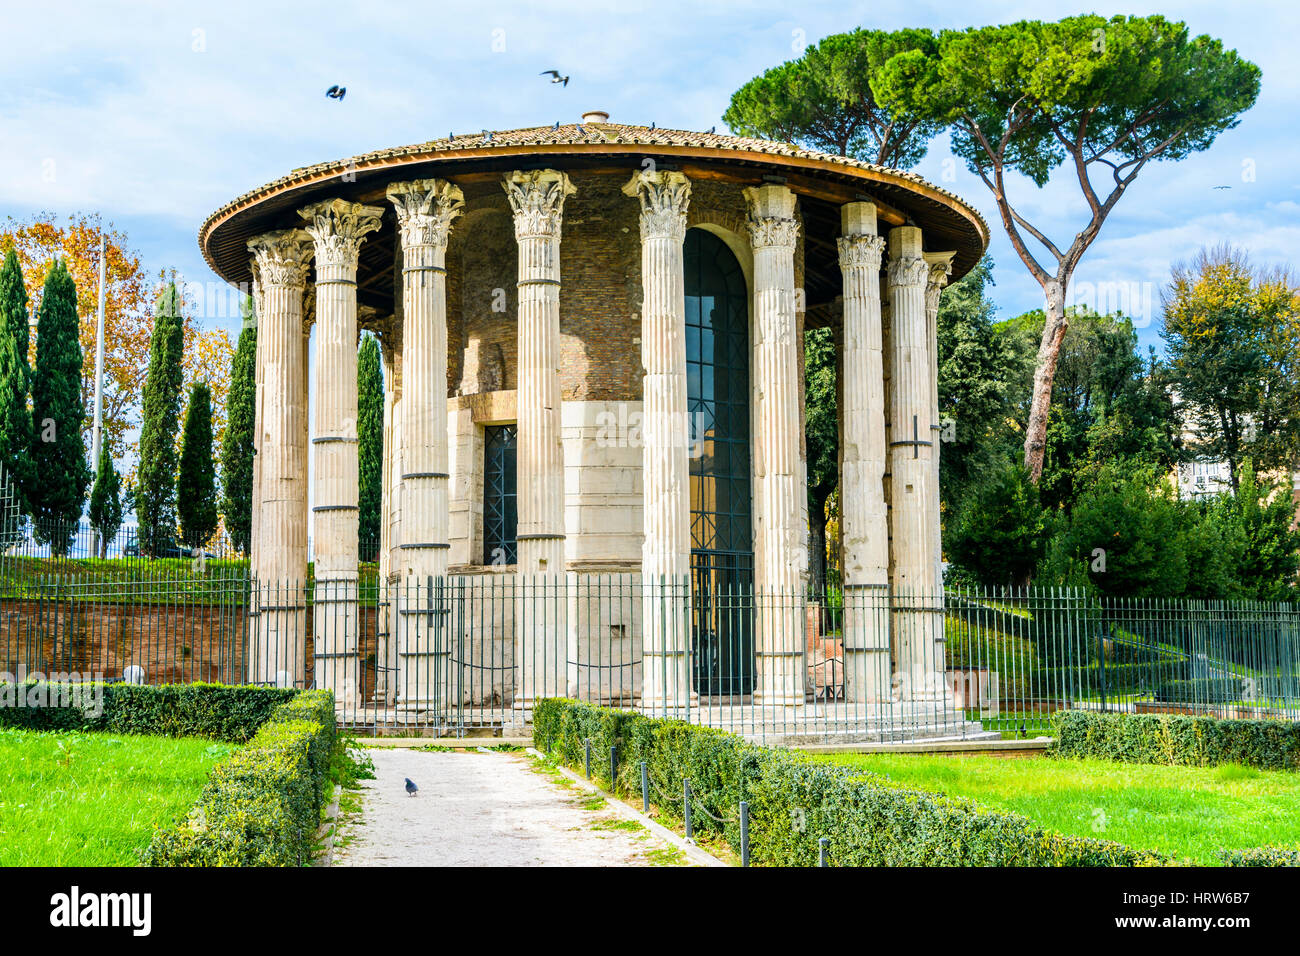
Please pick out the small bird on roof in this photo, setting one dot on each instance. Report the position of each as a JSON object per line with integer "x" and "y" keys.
{"x": 713, "y": 129}
{"x": 487, "y": 136}
{"x": 556, "y": 126}
{"x": 337, "y": 92}
{"x": 411, "y": 788}
{"x": 581, "y": 131}
{"x": 555, "y": 76}
{"x": 652, "y": 125}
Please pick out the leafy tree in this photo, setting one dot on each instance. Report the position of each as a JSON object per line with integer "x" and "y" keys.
{"x": 1125, "y": 537}
{"x": 15, "y": 380}
{"x": 1270, "y": 557}
{"x": 825, "y": 101}
{"x": 1105, "y": 97}
{"x": 370, "y": 436}
{"x": 238, "y": 444}
{"x": 196, "y": 485}
{"x": 977, "y": 376}
{"x": 1107, "y": 403}
{"x": 1233, "y": 341}
{"x": 155, "y": 486}
{"x": 105, "y": 510}
{"x": 821, "y": 442}
{"x": 1001, "y": 533}
{"x": 61, "y": 475}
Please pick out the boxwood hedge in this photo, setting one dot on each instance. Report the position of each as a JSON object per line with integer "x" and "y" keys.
{"x": 218, "y": 711}
{"x": 262, "y": 805}
{"x": 794, "y": 801}
{"x": 1177, "y": 740}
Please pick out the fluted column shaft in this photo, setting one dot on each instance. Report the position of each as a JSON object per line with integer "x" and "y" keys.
{"x": 781, "y": 551}
{"x": 940, "y": 267}
{"x": 913, "y": 499}
{"x": 277, "y": 642}
{"x": 338, "y": 229}
{"x": 864, "y": 528}
{"x": 666, "y": 546}
{"x": 425, "y": 210}
{"x": 545, "y": 661}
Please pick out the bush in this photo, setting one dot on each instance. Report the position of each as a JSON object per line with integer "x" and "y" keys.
{"x": 262, "y": 805}
{"x": 794, "y": 801}
{"x": 218, "y": 711}
{"x": 1176, "y": 740}
{"x": 1261, "y": 856}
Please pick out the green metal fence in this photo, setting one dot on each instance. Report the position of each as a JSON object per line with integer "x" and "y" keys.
{"x": 471, "y": 653}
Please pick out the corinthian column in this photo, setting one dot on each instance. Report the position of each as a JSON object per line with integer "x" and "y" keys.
{"x": 919, "y": 600}
{"x": 425, "y": 210}
{"x": 781, "y": 548}
{"x": 940, "y": 267}
{"x": 666, "y": 547}
{"x": 541, "y": 653}
{"x": 279, "y": 562}
{"x": 864, "y": 530}
{"x": 338, "y": 228}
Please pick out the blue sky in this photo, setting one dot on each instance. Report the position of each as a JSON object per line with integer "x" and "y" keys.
{"x": 158, "y": 113}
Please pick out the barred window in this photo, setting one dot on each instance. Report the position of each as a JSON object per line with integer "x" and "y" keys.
{"x": 500, "y": 509}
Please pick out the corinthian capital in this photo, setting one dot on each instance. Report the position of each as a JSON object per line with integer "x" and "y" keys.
{"x": 940, "y": 267}
{"x": 281, "y": 259}
{"x": 339, "y": 227}
{"x": 537, "y": 198}
{"x": 908, "y": 271}
{"x": 771, "y": 219}
{"x": 861, "y": 252}
{"x": 425, "y": 209}
{"x": 664, "y": 197}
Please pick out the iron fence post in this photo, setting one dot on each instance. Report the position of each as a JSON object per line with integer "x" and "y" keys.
{"x": 744, "y": 833}
{"x": 686, "y": 806}
{"x": 645, "y": 788}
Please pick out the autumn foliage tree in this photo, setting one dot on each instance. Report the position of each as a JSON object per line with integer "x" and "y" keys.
{"x": 1233, "y": 340}
{"x": 128, "y": 314}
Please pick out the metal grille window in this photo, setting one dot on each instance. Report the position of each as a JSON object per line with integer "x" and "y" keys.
{"x": 500, "y": 509}
{"x": 717, "y": 388}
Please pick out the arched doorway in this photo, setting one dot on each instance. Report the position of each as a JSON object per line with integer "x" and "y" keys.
{"x": 722, "y": 547}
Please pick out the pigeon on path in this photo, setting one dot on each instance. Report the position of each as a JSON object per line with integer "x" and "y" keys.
{"x": 411, "y": 788}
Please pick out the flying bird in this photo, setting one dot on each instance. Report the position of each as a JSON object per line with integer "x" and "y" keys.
{"x": 336, "y": 92}
{"x": 411, "y": 788}
{"x": 1222, "y": 187}
{"x": 555, "y": 76}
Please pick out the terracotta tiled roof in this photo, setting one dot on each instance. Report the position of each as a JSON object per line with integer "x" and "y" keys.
{"x": 593, "y": 134}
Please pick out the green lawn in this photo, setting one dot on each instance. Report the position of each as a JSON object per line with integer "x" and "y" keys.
{"x": 74, "y": 799}
{"x": 1189, "y": 811}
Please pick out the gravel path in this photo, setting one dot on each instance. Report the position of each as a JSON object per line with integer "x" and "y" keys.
{"x": 488, "y": 809}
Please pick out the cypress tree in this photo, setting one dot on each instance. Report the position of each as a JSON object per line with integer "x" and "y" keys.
{"x": 61, "y": 476}
{"x": 105, "y": 511}
{"x": 370, "y": 451}
{"x": 196, "y": 486}
{"x": 15, "y": 384}
{"x": 155, "y": 498}
{"x": 237, "y": 447}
